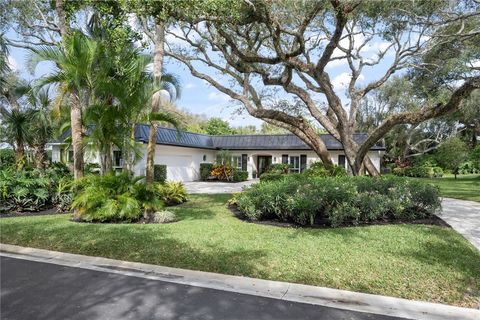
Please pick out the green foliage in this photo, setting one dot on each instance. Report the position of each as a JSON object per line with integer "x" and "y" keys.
{"x": 318, "y": 169}
{"x": 164, "y": 217}
{"x": 160, "y": 173}
{"x": 418, "y": 172}
{"x": 240, "y": 175}
{"x": 338, "y": 201}
{"x": 278, "y": 168}
{"x": 7, "y": 158}
{"x": 205, "y": 170}
{"x": 467, "y": 167}
{"x": 266, "y": 176}
{"x": 451, "y": 153}
{"x": 475, "y": 156}
{"x": 29, "y": 190}
{"x": 172, "y": 192}
{"x": 113, "y": 198}
{"x": 217, "y": 126}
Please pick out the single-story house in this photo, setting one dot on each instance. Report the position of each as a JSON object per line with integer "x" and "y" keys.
{"x": 183, "y": 152}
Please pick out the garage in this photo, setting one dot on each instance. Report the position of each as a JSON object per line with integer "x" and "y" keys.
{"x": 179, "y": 167}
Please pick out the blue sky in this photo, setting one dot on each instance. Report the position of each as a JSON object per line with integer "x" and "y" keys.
{"x": 200, "y": 98}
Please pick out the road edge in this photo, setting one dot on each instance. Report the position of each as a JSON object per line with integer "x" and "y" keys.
{"x": 341, "y": 299}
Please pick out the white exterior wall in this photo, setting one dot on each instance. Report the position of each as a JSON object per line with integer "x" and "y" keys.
{"x": 183, "y": 163}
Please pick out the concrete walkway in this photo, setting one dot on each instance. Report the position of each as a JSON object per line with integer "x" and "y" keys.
{"x": 464, "y": 217}
{"x": 171, "y": 293}
{"x": 217, "y": 187}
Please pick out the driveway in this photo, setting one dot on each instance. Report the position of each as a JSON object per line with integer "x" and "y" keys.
{"x": 464, "y": 217}
{"x": 37, "y": 290}
{"x": 217, "y": 187}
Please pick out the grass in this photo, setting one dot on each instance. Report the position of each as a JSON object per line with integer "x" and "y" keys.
{"x": 410, "y": 261}
{"x": 465, "y": 187}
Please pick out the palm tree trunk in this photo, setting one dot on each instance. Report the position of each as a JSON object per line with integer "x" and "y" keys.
{"x": 76, "y": 125}
{"x": 40, "y": 156}
{"x": 157, "y": 72}
{"x": 108, "y": 159}
{"x": 62, "y": 25}
{"x": 19, "y": 154}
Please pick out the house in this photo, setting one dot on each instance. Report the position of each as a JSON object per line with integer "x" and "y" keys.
{"x": 183, "y": 152}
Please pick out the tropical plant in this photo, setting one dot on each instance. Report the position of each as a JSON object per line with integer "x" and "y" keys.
{"x": 113, "y": 198}
{"x": 172, "y": 192}
{"x": 74, "y": 73}
{"x": 17, "y": 127}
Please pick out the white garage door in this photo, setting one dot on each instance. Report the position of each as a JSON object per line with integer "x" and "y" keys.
{"x": 179, "y": 168}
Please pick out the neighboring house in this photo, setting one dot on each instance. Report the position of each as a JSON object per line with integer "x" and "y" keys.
{"x": 183, "y": 153}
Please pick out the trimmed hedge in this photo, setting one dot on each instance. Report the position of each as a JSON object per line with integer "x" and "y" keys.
{"x": 240, "y": 175}
{"x": 266, "y": 176}
{"x": 418, "y": 172}
{"x": 205, "y": 170}
{"x": 339, "y": 201}
{"x": 160, "y": 173}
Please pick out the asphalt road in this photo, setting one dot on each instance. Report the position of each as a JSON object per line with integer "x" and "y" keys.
{"x": 35, "y": 290}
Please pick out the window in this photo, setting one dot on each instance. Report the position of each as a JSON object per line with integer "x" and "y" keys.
{"x": 295, "y": 164}
{"x": 237, "y": 162}
{"x": 285, "y": 158}
{"x": 341, "y": 161}
{"x": 70, "y": 156}
{"x": 117, "y": 158}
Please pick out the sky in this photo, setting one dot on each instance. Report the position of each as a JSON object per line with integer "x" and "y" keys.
{"x": 200, "y": 98}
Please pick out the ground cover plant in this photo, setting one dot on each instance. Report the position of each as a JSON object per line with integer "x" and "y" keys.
{"x": 422, "y": 262}
{"x": 308, "y": 200}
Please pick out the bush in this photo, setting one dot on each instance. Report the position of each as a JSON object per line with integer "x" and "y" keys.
{"x": 113, "y": 198}
{"x": 338, "y": 201}
{"x": 240, "y": 175}
{"x": 318, "y": 169}
{"x": 172, "y": 192}
{"x": 467, "y": 167}
{"x": 418, "y": 172}
{"x": 28, "y": 190}
{"x": 437, "y": 172}
{"x": 7, "y": 158}
{"x": 159, "y": 173}
{"x": 278, "y": 168}
{"x": 205, "y": 170}
{"x": 475, "y": 156}
{"x": 164, "y": 217}
{"x": 222, "y": 172}
{"x": 271, "y": 176}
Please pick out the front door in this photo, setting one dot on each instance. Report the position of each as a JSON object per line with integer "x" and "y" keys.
{"x": 263, "y": 163}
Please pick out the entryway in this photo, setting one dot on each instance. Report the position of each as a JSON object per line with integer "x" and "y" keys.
{"x": 263, "y": 162}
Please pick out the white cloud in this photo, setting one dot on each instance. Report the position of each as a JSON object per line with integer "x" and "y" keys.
{"x": 342, "y": 80}
{"x": 12, "y": 63}
{"x": 218, "y": 96}
{"x": 190, "y": 85}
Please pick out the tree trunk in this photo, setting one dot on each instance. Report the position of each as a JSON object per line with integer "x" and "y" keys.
{"x": 40, "y": 156}
{"x": 157, "y": 72}
{"x": 19, "y": 154}
{"x": 76, "y": 125}
{"x": 108, "y": 159}
{"x": 62, "y": 25}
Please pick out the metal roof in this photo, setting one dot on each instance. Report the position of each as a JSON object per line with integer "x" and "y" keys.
{"x": 169, "y": 136}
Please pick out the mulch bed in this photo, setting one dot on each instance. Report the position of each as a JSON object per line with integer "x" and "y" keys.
{"x": 50, "y": 211}
{"x": 435, "y": 220}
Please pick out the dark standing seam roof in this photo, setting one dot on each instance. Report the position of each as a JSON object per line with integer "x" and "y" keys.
{"x": 169, "y": 136}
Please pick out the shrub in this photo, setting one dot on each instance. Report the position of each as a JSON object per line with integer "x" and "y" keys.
{"x": 222, "y": 172}
{"x": 467, "y": 167}
{"x": 240, "y": 175}
{"x": 7, "y": 158}
{"x": 318, "y": 169}
{"x": 113, "y": 198}
{"x": 172, "y": 192}
{"x": 92, "y": 168}
{"x": 27, "y": 190}
{"x": 475, "y": 156}
{"x": 159, "y": 173}
{"x": 63, "y": 197}
{"x": 164, "y": 217}
{"x": 338, "y": 201}
{"x": 278, "y": 168}
{"x": 437, "y": 172}
{"x": 205, "y": 170}
{"x": 271, "y": 176}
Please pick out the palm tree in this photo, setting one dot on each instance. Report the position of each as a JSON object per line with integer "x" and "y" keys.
{"x": 4, "y": 67}
{"x": 41, "y": 128}
{"x": 17, "y": 125}
{"x": 74, "y": 74}
{"x": 170, "y": 84}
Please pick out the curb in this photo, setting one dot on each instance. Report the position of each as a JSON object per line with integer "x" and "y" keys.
{"x": 328, "y": 297}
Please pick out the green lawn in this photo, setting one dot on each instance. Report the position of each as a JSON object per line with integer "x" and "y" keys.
{"x": 410, "y": 261}
{"x": 466, "y": 187}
